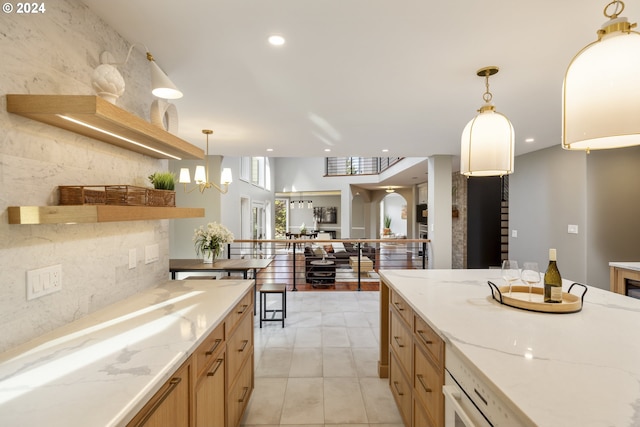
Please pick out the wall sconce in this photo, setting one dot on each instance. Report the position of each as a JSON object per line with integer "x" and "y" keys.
{"x": 201, "y": 175}
{"x": 600, "y": 103}
{"x": 488, "y": 140}
{"x": 109, "y": 84}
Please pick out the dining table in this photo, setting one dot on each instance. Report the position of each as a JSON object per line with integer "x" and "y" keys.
{"x": 243, "y": 265}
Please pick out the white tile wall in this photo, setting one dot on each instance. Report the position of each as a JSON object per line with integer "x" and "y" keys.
{"x": 54, "y": 53}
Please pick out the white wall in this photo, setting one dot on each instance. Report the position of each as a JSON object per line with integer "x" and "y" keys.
{"x": 55, "y": 53}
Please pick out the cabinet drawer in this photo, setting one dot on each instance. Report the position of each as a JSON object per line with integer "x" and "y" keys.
{"x": 401, "y": 342}
{"x": 427, "y": 385}
{"x": 431, "y": 341}
{"x": 239, "y": 394}
{"x": 403, "y": 308}
{"x": 239, "y": 346}
{"x": 245, "y": 304}
{"x": 401, "y": 389}
{"x": 207, "y": 351}
{"x": 420, "y": 416}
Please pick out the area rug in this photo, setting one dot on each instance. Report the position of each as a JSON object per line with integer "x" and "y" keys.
{"x": 348, "y": 275}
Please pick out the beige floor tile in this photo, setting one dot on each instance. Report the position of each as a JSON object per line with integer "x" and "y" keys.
{"x": 335, "y": 336}
{"x": 308, "y": 319}
{"x": 366, "y": 360}
{"x": 282, "y": 338}
{"x": 265, "y": 406}
{"x": 303, "y": 402}
{"x": 333, "y": 319}
{"x": 378, "y": 401}
{"x": 274, "y": 362}
{"x": 308, "y": 337}
{"x": 306, "y": 362}
{"x": 338, "y": 362}
{"x": 343, "y": 401}
{"x": 356, "y": 319}
{"x": 361, "y": 337}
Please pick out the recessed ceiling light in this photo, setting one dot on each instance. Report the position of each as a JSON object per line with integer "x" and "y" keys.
{"x": 529, "y": 140}
{"x": 327, "y": 149}
{"x": 269, "y": 149}
{"x": 385, "y": 150}
{"x": 276, "y": 40}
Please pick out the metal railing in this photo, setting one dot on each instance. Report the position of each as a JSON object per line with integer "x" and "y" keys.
{"x": 339, "y": 166}
{"x": 356, "y": 267}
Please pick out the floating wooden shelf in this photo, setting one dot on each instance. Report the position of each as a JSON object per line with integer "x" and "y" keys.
{"x": 96, "y": 213}
{"x": 97, "y": 114}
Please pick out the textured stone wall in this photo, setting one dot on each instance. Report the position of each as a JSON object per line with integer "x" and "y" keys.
{"x": 459, "y": 224}
{"x": 55, "y": 53}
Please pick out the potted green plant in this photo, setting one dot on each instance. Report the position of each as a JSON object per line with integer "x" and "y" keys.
{"x": 387, "y": 225}
{"x": 163, "y": 180}
{"x": 163, "y": 193}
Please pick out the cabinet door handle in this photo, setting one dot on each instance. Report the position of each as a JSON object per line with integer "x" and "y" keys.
{"x": 425, "y": 339}
{"x": 398, "y": 342}
{"x": 398, "y": 306}
{"x": 244, "y": 308}
{"x": 395, "y": 384}
{"x": 244, "y": 344}
{"x": 424, "y": 386}
{"x": 215, "y": 345}
{"x": 245, "y": 390}
{"x": 173, "y": 383}
{"x": 218, "y": 364}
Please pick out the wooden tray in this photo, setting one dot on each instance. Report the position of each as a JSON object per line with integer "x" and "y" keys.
{"x": 519, "y": 297}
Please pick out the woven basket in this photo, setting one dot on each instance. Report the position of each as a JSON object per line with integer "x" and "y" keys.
{"x": 161, "y": 197}
{"x": 82, "y": 195}
{"x": 128, "y": 195}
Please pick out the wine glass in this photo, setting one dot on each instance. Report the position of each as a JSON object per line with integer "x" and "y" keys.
{"x": 530, "y": 274}
{"x": 510, "y": 272}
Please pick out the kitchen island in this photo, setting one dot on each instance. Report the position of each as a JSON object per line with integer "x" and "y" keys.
{"x": 102, "y": 370}
{"x": 578, "y": 369}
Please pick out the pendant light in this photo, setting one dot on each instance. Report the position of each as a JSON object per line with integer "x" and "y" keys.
{"x": 601, "y": 91}
{"x": 487, "y": 143}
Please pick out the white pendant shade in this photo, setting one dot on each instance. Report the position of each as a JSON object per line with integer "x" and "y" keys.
{"x": 185, "y": 176}
{"x": 200, "y": 177}
{"x": 487, "y": 146}
{"x": 601, "y": 94}
{"x": 161, "y": 85}
{"x": 225, "y": 176}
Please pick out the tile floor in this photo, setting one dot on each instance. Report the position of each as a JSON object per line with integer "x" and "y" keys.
{"x": 321, "y": 369}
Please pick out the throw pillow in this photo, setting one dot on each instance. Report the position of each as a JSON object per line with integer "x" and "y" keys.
{"x": 328, "y": 248}
{"x": 338, "y": 247}
{"x": 318, "y": 251}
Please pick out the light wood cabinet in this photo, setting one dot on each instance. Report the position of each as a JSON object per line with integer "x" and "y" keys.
{"x": 170, "y": 406}
{"x": 209, "y": 360}
{"x": 415, "y": 362}
{"x": 212, "y": 388}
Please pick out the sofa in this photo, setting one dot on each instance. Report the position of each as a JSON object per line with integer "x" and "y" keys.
{"x": 339, "y": 252}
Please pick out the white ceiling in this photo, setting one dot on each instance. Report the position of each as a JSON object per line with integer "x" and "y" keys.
{"x": 359, "y": 76}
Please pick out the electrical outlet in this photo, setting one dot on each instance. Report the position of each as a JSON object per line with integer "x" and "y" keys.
{"x": 514, "y": 233}
{"x": 151, "y": 253}
{"x": 572, "y": 229}
{"x": 44, "y": 281}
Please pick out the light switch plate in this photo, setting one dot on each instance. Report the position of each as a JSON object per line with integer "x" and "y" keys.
{"x": 44, "y": 281}
{"x": 151, "y": 253}
{"x": 133, "y": 258}
{"x": 572, "y": 229}
{"x": 514, "y": 233}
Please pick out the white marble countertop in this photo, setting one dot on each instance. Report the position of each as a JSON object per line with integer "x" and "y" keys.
{"x": 578, "y": 369}
{"x": 100, "y": 370}
{"x": 626, "y": 265}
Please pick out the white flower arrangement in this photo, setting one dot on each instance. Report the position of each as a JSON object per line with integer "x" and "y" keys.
{"x": 211, "y": 239}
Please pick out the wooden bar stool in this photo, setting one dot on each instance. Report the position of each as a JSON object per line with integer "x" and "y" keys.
{"x": 273, "y": 288}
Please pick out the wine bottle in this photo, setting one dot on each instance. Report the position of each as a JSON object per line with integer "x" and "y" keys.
{"x": 552, "y": 280}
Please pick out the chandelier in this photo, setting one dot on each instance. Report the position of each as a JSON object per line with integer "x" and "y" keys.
{"x": 201, "y": 175}
{"x": 487, "y": 143}
{"x": 600, "y": 102}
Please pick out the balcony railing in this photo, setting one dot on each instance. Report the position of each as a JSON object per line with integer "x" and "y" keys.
{"x": 290, "y": 264}
{"x": 339, "y": 166}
